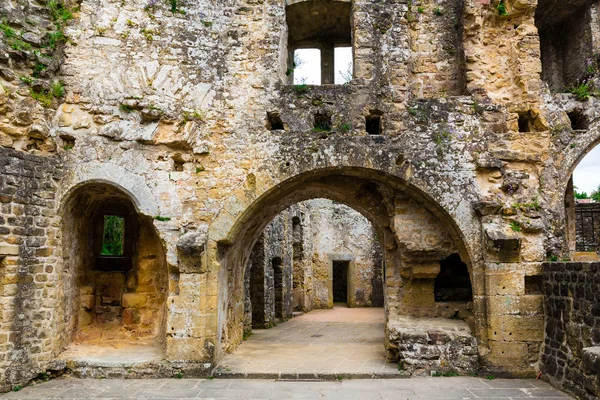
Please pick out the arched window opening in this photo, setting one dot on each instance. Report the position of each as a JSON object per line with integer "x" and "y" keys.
{"x": 319, "y": 42}
{"x": 453, "y": 283}
{"x": 115, "y": 280}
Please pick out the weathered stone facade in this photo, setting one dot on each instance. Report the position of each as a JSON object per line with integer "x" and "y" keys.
{"x": 291, "y": 265}
{"x": 572, "y": 339}
{"x": 174, "y": 107}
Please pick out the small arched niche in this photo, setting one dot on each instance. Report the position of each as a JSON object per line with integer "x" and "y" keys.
{"x": 115, "y": 275}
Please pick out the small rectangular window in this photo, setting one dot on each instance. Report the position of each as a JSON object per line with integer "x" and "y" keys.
{"x": 307, "y": 67}
{"x": 113, "y": 236}
{"x": 343, "y": 63}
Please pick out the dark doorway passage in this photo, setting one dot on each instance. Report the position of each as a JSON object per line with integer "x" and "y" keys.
{"x": 453, "y": 282}
{"x": 340, "y": 281}
{"x": 278, "y": 287}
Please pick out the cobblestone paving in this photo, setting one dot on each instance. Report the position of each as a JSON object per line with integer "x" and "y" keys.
{"x": 457, "y": 388}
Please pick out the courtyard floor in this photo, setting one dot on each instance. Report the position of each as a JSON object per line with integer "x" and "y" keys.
{"x": 455, "y": 388}
{"x": 339, "y": 341}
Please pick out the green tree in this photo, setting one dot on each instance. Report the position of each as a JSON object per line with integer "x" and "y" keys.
{"x": 114, "y": 236}
{"x": 596, "y": 194}
{"x": 581, "y": 195}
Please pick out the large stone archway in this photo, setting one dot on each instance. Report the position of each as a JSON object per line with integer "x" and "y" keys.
{"x": 416, "y": 233}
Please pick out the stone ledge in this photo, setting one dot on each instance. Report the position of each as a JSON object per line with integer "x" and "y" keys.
{"x": 427, "y": 345}
{"x": 591, "y": 359}
{"x": 7, "y": 250}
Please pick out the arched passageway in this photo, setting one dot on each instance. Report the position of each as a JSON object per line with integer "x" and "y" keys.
{"x": 415, "y": 235}
{"x": 114, "y": 281}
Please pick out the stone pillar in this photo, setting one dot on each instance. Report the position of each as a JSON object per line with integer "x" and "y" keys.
{"x": 327, "y": 65}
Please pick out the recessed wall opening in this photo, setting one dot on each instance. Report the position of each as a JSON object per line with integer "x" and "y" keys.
{"x": 534, "y": 284}
{"x": 113, "y": 238}
{"x": 566, "y": 41}
{"x": 340, "y": 281}
{"x": 322, "y": 122}
{"x": 278, "y": 287}
{"x": 274, "y": 121}
{"x": 373, "y": 122}
{"x": 115, "y": 279}
{"x": 178, "y": 162}
{"x": 319, "y": 42}
{"x": 307, "y": 67}
{"x": 344, "y": 65}
{"x": 453, "y": 283}
{"x": 579, "y": 121}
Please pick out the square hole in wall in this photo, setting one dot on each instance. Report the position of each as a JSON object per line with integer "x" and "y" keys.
{"x": 113, "y": 236}
{"x": 373, "y": 122}
{"x": 579, "y": 121}
{"x": 534, "y": 284}
{"x": 322, "y": 122}
{"x": 274, "y": 121}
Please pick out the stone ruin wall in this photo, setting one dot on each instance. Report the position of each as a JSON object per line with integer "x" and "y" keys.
{"x": 328, "y": 231}
{"x": 172, "y": 107}
{"x": 571, "y": 355}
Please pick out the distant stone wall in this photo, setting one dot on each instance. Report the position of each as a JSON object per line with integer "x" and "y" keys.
{"x": 572, "y": 292}
{"x": 28, "y": 274}
{"x": 340, "y": 233}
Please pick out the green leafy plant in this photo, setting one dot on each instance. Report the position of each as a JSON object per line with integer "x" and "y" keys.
{"x": 490, "y": 377}
{"x": 162, "y": 219}
{"x": 59, "y": 12}
{"x": 582, "y": 91}
{"x": 26, "y": 79}
{"x": 346, "y": 127}
{"x": 7, "y": 30}
{"x": 207, "y": 24}
{"x": 57, "y": 88}
{"x": 113, "y": 239}
{"x": 438, "y": 11}
{"x": 44, "y": 97}
{"x": 200, "y": 168}
{"x": 179, "y": 375}
{"x": 17, "y": 388}
{"x": 515, "y": 226}
{"x": 246, "y": 335}
{"x": 533, "y": 206}
{"x": 301, "y": 89}
{"x": 56, "y": 38}
{"x": 126, "y": 108}
{"x": 501, "y": 7}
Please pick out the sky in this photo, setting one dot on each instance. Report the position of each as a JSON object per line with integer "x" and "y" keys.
{"x": 309, "y": 70}
{"x": 587, "y": 174}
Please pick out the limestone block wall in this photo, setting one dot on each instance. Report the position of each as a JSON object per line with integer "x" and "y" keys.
{"x": 171, "y": 106}
{"x": 340, "y": 233}
{"x": 29, "y": 234}
{"x": 572, "y": 324}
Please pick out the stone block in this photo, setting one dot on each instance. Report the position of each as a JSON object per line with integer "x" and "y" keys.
{"x": 503, "y": 247}
{"x": 87, "y": 301}
{"x": 9, "y": 250}
{"x": 186, "y": 349}
{"x": 85, "y": 318}
{"x": 426, "y": 270}
{"x": 134, "y": 300}
{"x": 130, "y": 317}
{"x": 591, "y": 360}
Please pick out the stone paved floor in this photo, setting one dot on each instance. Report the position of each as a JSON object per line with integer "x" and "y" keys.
{"x": 457, "y": 388}
{"x": 337, "y": 341}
